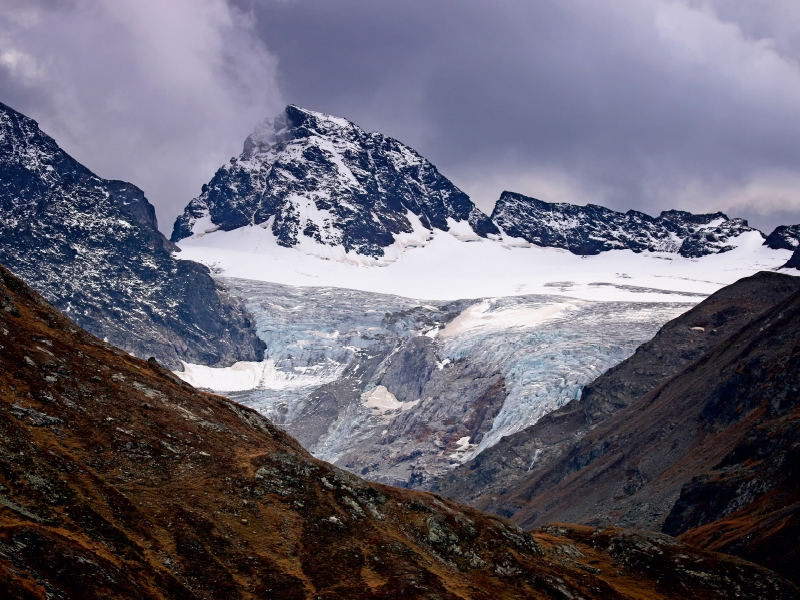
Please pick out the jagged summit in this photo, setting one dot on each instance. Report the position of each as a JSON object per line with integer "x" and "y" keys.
{"x": 592, "y": 229}
{"x": 308, "y": 176}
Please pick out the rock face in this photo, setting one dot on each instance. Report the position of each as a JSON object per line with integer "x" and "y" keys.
{"x": 706, "y": 452}
{"x": 91, "y": 246}
{"x": 117, "y": 480}
{"x": 592, "y": 229}
{"x": 794, "y": 261}
{"x": 311, "y": 176}
{"x": 786, "y": 237}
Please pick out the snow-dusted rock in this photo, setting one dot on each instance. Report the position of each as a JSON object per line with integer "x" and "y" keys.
{"x": 592, "y": 229}
{"x": 786, "y": 237}
{"x": 309, "y": 175}
{"x": 92, "y": 248}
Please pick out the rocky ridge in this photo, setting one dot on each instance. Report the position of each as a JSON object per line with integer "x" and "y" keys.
{"x": 785, "y": 237}
{"x": 318, "y": 182}
{"x": 592, "y": 229}
{"x": 92, "y": 247}
{"x": 119, "y": 480}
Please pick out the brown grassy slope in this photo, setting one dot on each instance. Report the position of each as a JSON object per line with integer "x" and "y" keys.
{"x": 749, "y": 504}
{"x": 117, "y": 480}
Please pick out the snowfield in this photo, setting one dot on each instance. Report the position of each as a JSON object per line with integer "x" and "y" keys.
{"x": 441, "y": 265}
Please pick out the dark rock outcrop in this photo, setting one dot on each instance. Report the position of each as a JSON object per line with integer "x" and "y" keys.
{"x": 592, "y": 229}
{"x": 92, "y": 247}
{"x": 784, "y": 237}
{"x": 117, "y": 480}
{"x": 794, "y": 261}
{"x": 309, "y": 175}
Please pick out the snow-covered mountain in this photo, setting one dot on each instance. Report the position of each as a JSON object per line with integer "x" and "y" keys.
{"x": 309, "y": 176}
{"x": 92, "y": 248}
{"x": 592, "y": 229}
{"x": 332, "y": 237}
{"x": 310, "y": 186}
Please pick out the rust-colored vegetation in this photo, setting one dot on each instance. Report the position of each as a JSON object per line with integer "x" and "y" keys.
{"x": 117, "y": 480}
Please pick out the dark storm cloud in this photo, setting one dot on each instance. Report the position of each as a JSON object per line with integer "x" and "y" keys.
{"x": 633, "y": 104}
{"x": 647, "y": 104}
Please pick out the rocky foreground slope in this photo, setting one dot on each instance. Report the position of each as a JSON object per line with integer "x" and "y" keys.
{"x": 697, "y": 430}
{"x": 92, "y": 247}
{"x": 119, "y": 481}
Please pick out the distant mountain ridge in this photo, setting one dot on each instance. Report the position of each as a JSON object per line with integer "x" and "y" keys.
{"x": 592, "y": 229}
{"x": 308, "y": 177}
{"x": 92, "y": 247}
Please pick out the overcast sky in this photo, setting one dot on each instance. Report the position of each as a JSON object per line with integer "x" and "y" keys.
{"x": 645, "y": 104}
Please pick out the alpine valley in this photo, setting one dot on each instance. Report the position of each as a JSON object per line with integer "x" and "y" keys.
{"x": 406, "y": 331}
{"x": 548, "y": 363}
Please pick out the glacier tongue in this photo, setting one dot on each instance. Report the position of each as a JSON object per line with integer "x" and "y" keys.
{"x": 402, "y": 390}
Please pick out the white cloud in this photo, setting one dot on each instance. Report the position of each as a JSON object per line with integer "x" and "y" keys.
{"x": 22, "y": 66}
{"x": 698, "y": 36}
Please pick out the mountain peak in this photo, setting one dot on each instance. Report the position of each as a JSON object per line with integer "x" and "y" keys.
{"x": 92, "y": 247}
{"x": 293, "y": 122}
{"x": 298, "y": 117}
{"x": 318, "y": 181}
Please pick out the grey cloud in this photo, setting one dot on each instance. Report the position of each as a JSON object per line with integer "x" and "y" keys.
{"x": 156, "y": 93}
{"x": 646, "y": 104}
{"x": 633, "y": 104}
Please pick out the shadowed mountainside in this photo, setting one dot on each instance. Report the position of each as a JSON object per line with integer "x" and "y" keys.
{"x": 92, "y": 247}
{"x": 712, "y": 447}
{"x": 117, "y": 480}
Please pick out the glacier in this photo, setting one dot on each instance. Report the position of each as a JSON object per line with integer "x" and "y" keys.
{"x": 402, "y": 390}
